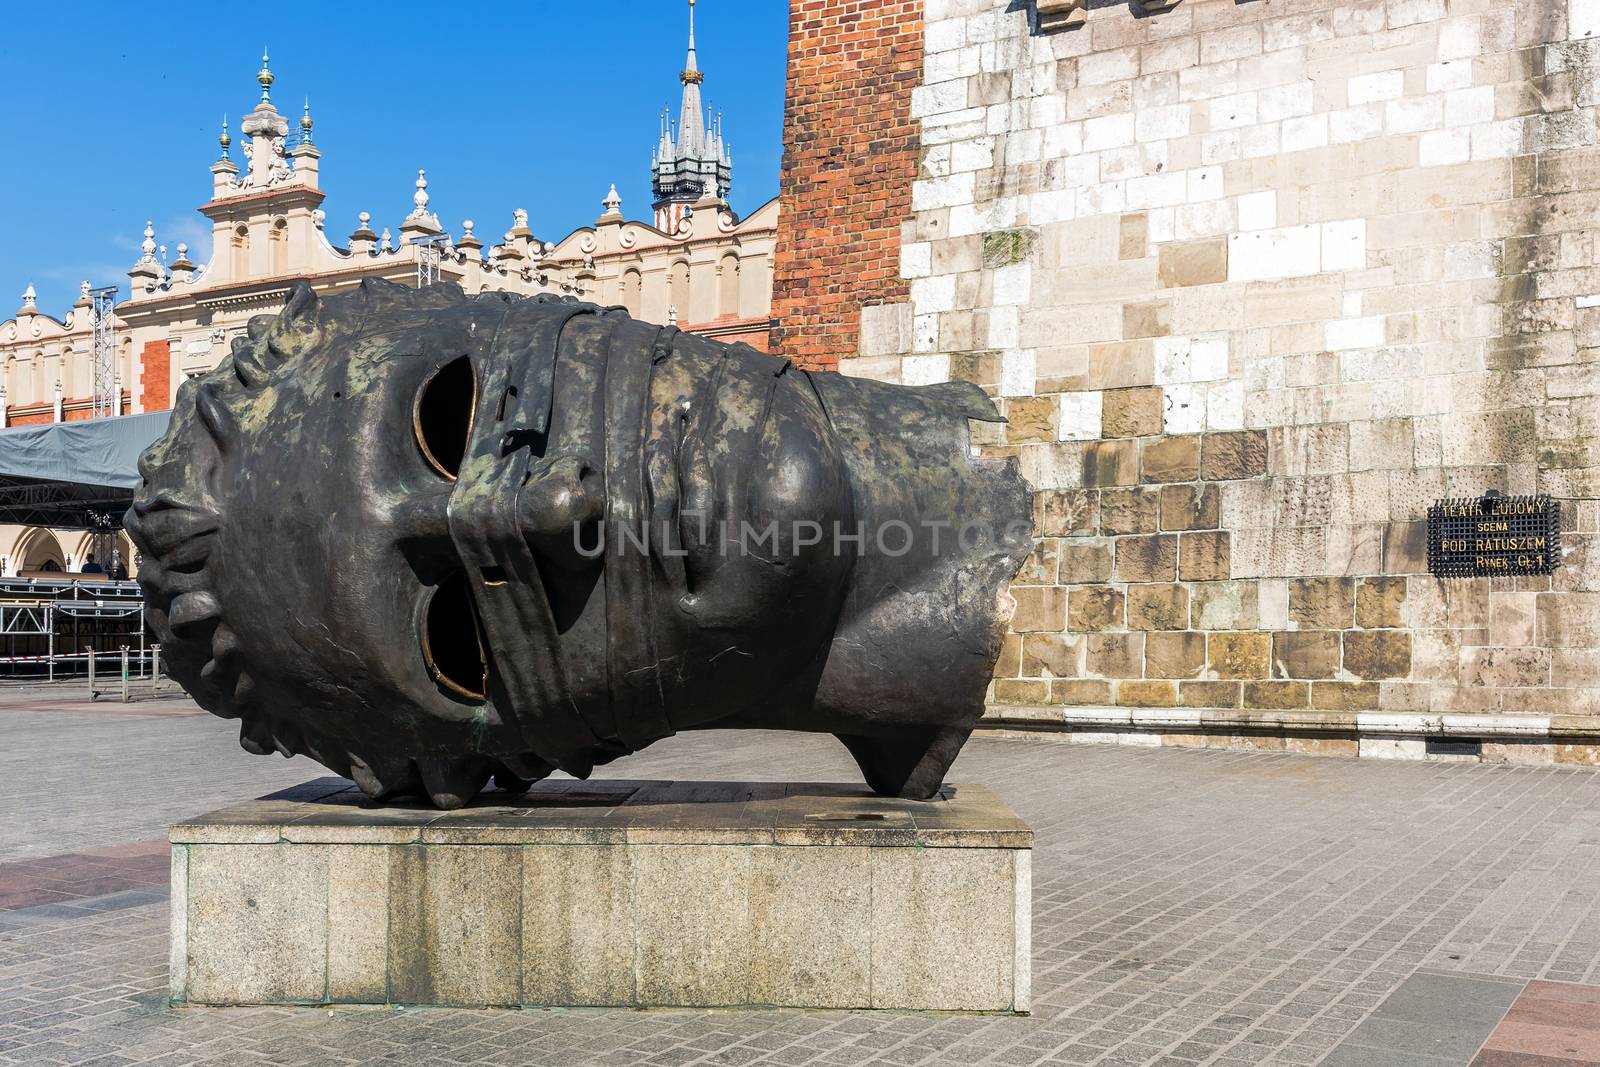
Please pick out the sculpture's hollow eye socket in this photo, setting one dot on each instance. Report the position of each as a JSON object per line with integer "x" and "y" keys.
{"x": 452, "y": 642}
{"x": 442, "y": 416}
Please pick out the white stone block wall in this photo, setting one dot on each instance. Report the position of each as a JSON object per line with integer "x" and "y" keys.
{"x": 1255, "y": 284}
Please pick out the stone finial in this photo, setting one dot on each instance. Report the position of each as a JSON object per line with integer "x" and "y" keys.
{"x": 84, "y": 299}
{"x": 516, "y": 243}
{"x": 386, "y": 242}
{"x": 420, "y": 197}
{"x": 612, "y": 203}
{"x": 183, "y": 268}
{"x": 421, "y": 222}
{"x": 30, "y": 301}
{"x": 469, "y": 244}
{"x": 363, "y": 239}
{"x": 265, "y": 78}
{"x": 147, "y": 272}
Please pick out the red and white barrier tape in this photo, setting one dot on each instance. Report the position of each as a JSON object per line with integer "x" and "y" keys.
{"x": 115, "y": 657}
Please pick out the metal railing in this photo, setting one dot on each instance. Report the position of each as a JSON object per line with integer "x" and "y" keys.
{"x": 123, "y": 681}
{"x": 35, "y": 636}
{"x": 67, "y": 588}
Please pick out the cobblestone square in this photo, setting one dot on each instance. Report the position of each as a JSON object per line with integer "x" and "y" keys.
{"x": 1190, "y": 906}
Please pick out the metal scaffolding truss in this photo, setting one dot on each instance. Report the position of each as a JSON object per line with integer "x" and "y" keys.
{"x": 73, "y": 589}
{"x": 104, "y": 362}
{"x": 98, "y": 611}
{"x": 25, "y": 620}
{"x": 62, "y": 504}
{"x": 429, "y": 252}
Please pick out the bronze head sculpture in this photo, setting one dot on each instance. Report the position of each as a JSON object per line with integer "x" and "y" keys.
{"x": 431, "y": 540}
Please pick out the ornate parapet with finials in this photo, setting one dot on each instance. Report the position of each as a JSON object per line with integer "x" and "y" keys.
{"x": 579, "y": 534}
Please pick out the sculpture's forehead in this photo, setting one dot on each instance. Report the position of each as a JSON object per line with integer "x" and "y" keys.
{"x": 368, "y": 355}
{"x": 421, "y": 329}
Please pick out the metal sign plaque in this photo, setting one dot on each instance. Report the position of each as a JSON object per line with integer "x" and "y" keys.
{"x": 1494, "y": 536}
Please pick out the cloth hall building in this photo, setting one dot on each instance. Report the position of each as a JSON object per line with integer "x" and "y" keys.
{"x": 695, "y": 263}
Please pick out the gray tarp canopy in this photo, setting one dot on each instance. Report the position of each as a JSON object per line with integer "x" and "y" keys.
{"x": 73, "y": 473}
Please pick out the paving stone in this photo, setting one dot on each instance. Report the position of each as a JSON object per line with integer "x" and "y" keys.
{"x": 1190, "y": 906}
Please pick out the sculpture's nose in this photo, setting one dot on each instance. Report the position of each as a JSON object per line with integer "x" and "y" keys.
{"x": 561, "y": 507}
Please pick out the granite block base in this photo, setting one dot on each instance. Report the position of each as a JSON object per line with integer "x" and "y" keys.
{"x": 607, "y": 893}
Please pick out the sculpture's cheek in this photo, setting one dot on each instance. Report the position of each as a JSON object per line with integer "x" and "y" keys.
{"x": 785, "y": 552}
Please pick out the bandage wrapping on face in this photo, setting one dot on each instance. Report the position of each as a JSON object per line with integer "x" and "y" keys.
{"x": 434, "y": 541}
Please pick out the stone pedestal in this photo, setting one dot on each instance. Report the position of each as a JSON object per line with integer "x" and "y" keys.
{"x": 607, "y": 893}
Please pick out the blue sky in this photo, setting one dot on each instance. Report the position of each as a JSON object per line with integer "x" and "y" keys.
{"x": 110, "y": 115}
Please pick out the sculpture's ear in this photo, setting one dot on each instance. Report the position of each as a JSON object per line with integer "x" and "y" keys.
{"x": 298, "y": 327}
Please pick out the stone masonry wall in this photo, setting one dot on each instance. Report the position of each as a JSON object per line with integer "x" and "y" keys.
{"x": 850, "y": 155}
{"x": 1255, "y": 283}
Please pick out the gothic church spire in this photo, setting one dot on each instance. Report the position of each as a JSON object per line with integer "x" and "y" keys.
{"x": 691, "y": 162}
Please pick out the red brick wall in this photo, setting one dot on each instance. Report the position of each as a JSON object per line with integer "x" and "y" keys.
{"x": 730, "y": 329}
{"x": 157, "y": 382}
{"x": 73, "y": 409}
{"x": 849, "y": 156}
